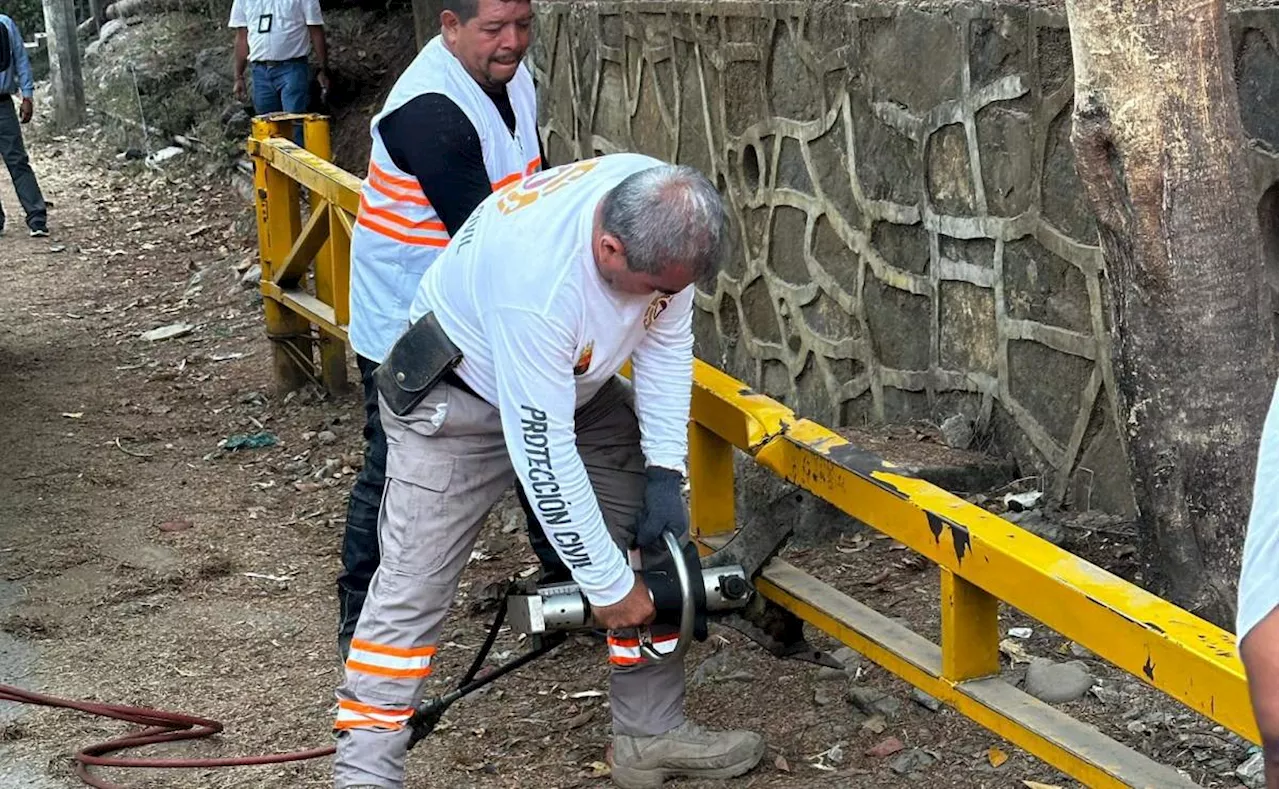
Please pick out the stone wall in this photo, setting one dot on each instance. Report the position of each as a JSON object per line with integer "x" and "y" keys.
{"x": 912, "y": 239}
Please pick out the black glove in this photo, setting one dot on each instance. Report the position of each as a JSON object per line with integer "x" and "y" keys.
{"x": 664, "y": 509}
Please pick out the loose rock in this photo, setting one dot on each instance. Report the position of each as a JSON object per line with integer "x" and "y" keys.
{"x": 848, "y": 658}
{"x": 1251, "y": 773}
{"x": 874, "y": 702}
{"x": 957, "y": 431}
{"x": 1055, "y": 683}
{"x": 251, "y": 275}
{"x": 910, "y": 761}
{"x": 326, "y": 437}
{"x": 925, "y": 700}
{"x": 886, "y": 747}
{"x": 167, "y": 332}
{"x": 1079, "y": 651}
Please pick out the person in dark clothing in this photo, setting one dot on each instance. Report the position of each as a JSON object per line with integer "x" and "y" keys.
{"x": 16, "y": 78}
{"x": 459, "y": 123}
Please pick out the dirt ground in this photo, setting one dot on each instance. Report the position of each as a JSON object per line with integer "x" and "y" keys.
{"x": 140, "y": 563}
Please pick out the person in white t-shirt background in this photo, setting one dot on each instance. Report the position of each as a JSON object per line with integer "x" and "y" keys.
{"x": 276, "y": 36}
{"x": 546, "y": 291}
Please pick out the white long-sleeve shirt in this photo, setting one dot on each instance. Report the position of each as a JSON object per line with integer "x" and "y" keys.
{"x": 1259, "y": 576}
{"x": 518, "y": 291}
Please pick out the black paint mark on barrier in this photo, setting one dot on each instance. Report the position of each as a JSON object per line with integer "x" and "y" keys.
{"x": 746, "y": 391}
{"x": 935, "y": 526}
{"x": 960, "y": 536}
{"x": 1155, "y": 627}
{"x": 1149, "y": 669}
{"x": 864, "y": 464}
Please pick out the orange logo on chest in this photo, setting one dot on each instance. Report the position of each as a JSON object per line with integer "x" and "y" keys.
{"x": 583, "y": 364}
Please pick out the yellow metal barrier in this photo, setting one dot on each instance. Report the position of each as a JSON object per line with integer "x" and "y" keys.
{"x": 289, "y": 250}
{"x": 982, "y": 558}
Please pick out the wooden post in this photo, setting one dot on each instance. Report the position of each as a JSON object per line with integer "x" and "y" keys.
{"x": 64, "y": 62}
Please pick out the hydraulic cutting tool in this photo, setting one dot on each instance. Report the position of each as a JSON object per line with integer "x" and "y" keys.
{"x": 687, "y": 592}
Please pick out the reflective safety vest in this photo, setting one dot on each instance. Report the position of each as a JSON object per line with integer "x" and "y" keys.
{"x": 397, "y": 233}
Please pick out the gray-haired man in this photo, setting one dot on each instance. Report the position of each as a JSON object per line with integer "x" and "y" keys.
{"x": 545, "y": 292}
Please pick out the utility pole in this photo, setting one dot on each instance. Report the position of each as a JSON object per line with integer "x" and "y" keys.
{"x": 64, "y": 62}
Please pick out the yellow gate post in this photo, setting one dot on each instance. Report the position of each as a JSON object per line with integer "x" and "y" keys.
{"x": 333, "y": 352}
{"x": 279, "y": 224}
{"x": 711, "y": 484}
{"x": 970, "y": 630}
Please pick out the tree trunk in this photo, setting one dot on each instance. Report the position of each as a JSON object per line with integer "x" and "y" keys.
{"x": 426, "y": 20}
{"x": 64, "y": 62}
{"x": 1161, "y": 150}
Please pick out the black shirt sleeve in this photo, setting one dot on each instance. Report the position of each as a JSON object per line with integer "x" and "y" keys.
{"x": 430, "y": 138}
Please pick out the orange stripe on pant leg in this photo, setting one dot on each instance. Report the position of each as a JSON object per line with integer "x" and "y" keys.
{"x": 356, "y": 706}
{"x": 383, "y": 649}
{"x": 344, "y": 725}
{"x": 390, "y": 673}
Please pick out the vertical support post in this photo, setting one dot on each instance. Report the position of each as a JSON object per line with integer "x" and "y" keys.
{"x": 64, "y": 62}
{"x": 279, "y": 224}
{"x": 333, "y": 351}
{"x": 711, "y": 489}
{"x": 970, "y": 630}
{"x": 340, "y": 247}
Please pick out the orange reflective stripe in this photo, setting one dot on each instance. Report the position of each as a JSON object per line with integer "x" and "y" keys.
{"x": 533, "y": 166}
{"x": 614, "y": 641}
{"x": 394, "y": 180}
{"x": 403, "y": 189}
{"x": 396, "y": 194}
{"x": 390, "y": 673}
{"x": 356, "y": 706}
{"x": 619, "y": 660}
{"x": 382, "y": 649}
{"x": 366, "y": 724}
{"x": 508, "y": 181}
{"x": 395, "y": 235}
{"x": 396, "y": 219}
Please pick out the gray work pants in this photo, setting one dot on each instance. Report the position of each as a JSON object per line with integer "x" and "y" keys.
{"x": 447, "y": 464}
{"x": 15, "y": 158}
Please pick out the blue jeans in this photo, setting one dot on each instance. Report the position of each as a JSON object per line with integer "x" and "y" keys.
{"x": 283, "y": 87}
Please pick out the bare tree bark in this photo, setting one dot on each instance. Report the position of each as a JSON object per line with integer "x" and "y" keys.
{"x": 1161, "y": 150}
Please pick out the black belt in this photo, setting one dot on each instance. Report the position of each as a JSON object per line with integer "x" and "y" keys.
{"x": 279, "y": 62}
{"x": 453, "y": 379}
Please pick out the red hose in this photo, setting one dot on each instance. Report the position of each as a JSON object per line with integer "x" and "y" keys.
{"x": 161, "y": 726}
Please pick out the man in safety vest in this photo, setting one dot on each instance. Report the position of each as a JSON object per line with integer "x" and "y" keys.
{"x": 458, "y": 124}
{"x": 544, "y": 294}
